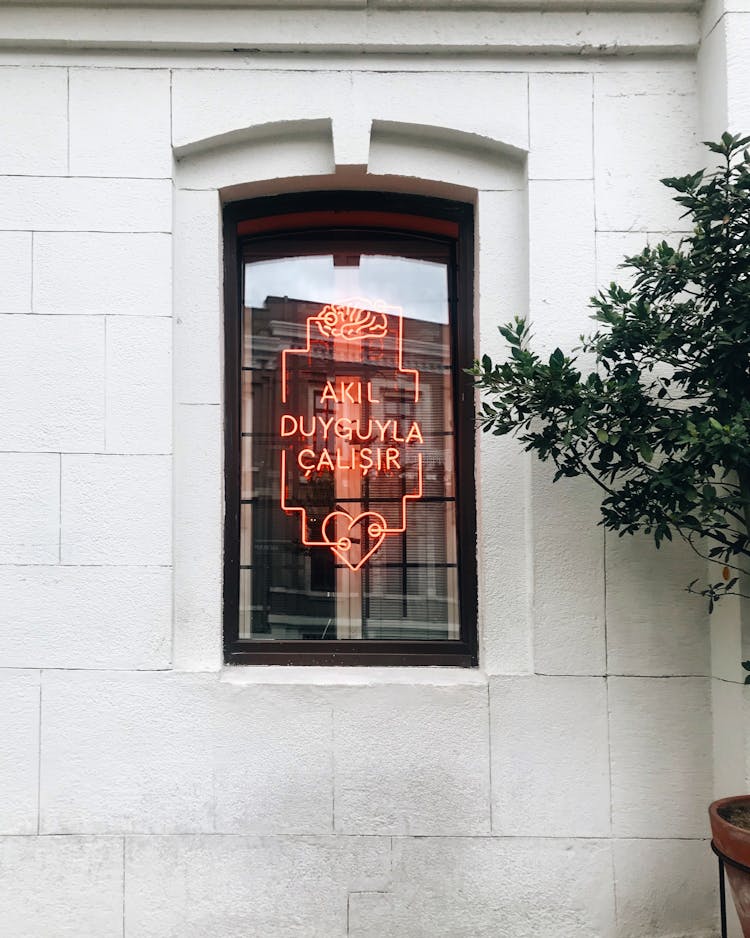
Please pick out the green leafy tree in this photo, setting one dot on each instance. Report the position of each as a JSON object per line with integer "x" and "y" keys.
{"x": 662, "y": 424}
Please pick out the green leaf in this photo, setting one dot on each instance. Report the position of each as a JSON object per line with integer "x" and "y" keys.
{"x": 657, "y": 444}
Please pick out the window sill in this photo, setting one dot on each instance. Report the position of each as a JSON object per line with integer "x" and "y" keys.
{"x": 350, "y": 676}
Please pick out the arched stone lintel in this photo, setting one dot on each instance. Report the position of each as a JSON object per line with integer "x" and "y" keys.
{"x": 254, "y": 134}
{"x": 349, "y": 149}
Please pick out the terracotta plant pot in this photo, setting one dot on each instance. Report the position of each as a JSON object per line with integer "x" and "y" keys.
{"x": 734, "y": 843}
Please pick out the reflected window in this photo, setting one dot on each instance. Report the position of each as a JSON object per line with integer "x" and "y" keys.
{"x": 350, "y": 504}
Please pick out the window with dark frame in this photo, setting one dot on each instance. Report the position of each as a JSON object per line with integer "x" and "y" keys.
{"x": 350, "y": 532}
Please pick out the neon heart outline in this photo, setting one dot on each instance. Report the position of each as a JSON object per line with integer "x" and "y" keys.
{"x": 343, "y": 544}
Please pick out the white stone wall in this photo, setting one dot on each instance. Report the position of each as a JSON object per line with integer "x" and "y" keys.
{"x": 148, "y": 792}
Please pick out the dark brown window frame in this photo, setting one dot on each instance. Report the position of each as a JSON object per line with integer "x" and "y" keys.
{"x": 369, "y": 211}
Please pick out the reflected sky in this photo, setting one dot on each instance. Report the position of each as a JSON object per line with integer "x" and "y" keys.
{"x": 419, "y": 287}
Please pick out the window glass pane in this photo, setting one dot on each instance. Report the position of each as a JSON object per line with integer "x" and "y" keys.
{"x": 348, "y": 526}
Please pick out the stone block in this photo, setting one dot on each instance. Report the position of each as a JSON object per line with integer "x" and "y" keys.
{"x": 116, "y": 510}
{"x": 273, "y": 764}
{"x": 198, "y": 533}
{"x": 248, "y": 886}
{"x": 730, "y": 737}
{"x": 728, "y": 640}
{"x": 214, "y": 103}
{"x": 653, "y": 625}
{"x": 568, "y": 557}
{"x": 279, "y": 151}
{"x": 665, "y": 887}
{"x": 38, "y": 203}
{"x": 15, "y": 271}
{"x": 737, "y": 50}
{"x": 126, "y": 753}
{"x": 166, "y": 752}
{"x": 461, "y": 887}
{"x": 445, "y": 156}
{"x": 370, "y": 915}
{"x": 502, "y": 273}
{"x": 561, "y": 261}
{"x": 209, "y": 104}
{"x": 453, "y": 100}
{"x": 33, "y": 102}
{"x": 29, "y": 508}
{"x": 561, "y": 122}
{"x": 502, "y": 466}
{"x": 612, "y": 247}
{"x": 85, "y": 617}
{"x": 103, "y": 273}
{"x": 411, "y": 760}
{"x": 550, "y": 757}
{"x": 660, "y": 741}
{"x": 19, "y": 757}
{"x": 139, "y": 385}
{"x": 503, "y": 555}
{"x": 51, "y": 383}
{"x": 712, "y": 75}
{"x": 65, "y": 887}
{"x": 119, "y": 122}
{"x": 198, "y": 300}
{"x": 644, "y": 129}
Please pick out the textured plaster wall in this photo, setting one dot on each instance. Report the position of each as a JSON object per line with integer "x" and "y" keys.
{"x": 725, "y": 103}
{"x": 146, "y": 791}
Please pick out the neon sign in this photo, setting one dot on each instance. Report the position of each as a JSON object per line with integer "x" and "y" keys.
{"x": 349, "y": 438}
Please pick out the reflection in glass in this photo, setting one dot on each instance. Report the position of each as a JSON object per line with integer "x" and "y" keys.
{"x": 347, "y": 477}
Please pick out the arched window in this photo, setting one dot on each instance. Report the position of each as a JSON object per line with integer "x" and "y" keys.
{"x": 350, "y": 534}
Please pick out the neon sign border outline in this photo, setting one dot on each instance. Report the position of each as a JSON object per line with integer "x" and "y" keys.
{"x": 376, "y": 530}
{"x": 376, "y": 305}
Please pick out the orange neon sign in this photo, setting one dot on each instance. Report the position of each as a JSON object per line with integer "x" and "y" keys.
{"x": 348, "y": 437}
{"x": 351, "y": 323}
